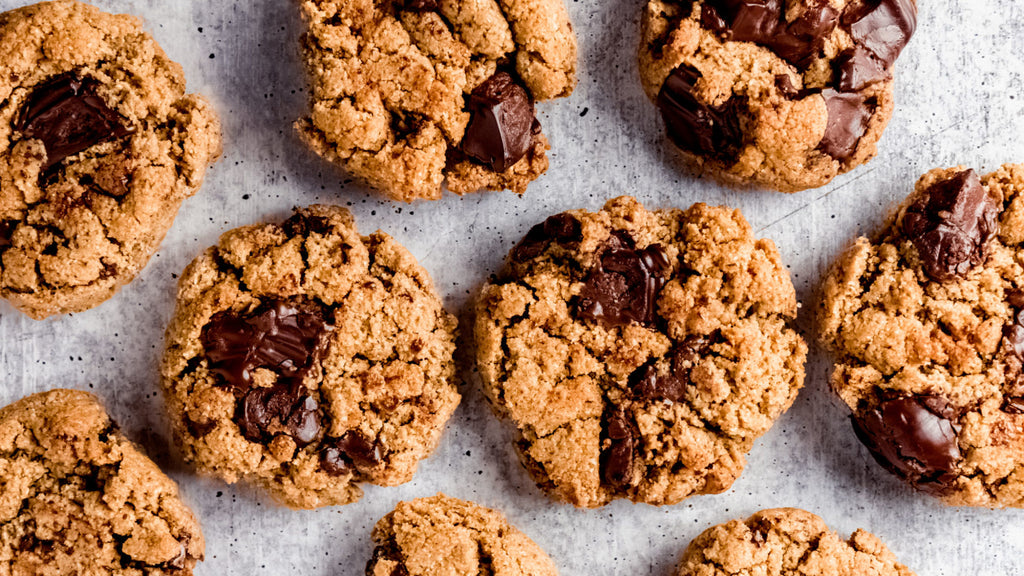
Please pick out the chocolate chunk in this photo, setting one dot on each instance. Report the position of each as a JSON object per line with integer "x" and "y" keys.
{"x": 387, "y": 551}
{"x": 300, "y": 224}
{"x": 883, "y": 27}
{"x": 848, "y": 116}
{"x": 802, "y": 39}
{"x": 6, "y": 231}
{"x": 1013, "y": 405}
{"x": 282, "y": 409}
{"x": 304, "y": 421}
{"x": 422, "y": 5}
{"x": 353, "y": 448}
{"x": 620, "y": 452}
{"x": 278, "y": 335}
{"x": 785, "y": 85}
{"x": 624, "y": 286}
{"x": 561, "y": 228}
{"x": 500, "y": 130}
{"x": 68, "y": 116}
{"x": 762, "y": 22}
{"x": 1013, "y": 336}
{"x": 647, "y": 383}
{"x": 858, "y": 68}
{"x": 951, "y": 224}
{"x": 914, "y": 438}
{"x": 695, "y": 126}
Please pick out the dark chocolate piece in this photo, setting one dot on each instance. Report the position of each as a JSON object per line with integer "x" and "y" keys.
{"x": 387, "y": 551}
{"x": 883, "y": 27}
{"x": 621, "y": 449}
{"x": 914, "y": 438}
{"x": 951, "y": 224}
{"x": 647, "y": 383}
{"x": 68, "y": 116}
{"x": 624, "y": 286}
{"x": 695, "y": 126}
{"x": 422, "y": 5}
{"x": 848, "y": 116}
{"x": 338, "y": 456}
{"x": 858, "y": 69}
{"x": 762, "y": 22}
{"x": 501, "y": 128}
{"x": 300, "y": 224}
{"x": 561, "y": 228}
{"x": 6, "y": 231}
{"x": 282, "y": 409}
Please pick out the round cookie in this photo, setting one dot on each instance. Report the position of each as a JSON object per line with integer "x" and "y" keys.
{"x": 639, "y": 353}
{"x": 780, "y": 94}
{"x": 407, "y": 94}
{"x": 786, "y": 542}
{"x": 441, "y": 535}
{"x": 99, "y": 145}
{"x": 77, "y": 497}
{"x": 307, "y": 359}
{"x": 925, "y": 322}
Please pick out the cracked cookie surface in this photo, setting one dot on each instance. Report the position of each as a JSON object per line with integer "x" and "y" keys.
{"x": 407, "y": 94}
{"x": 441, "y": 536}
{"x": 786, "y": 542}
{"x": 99, "y": 146}
{"x": 76, "y": 497}
{"x": 306, "y": 359}
{"x": 780, "y": 94}
{"x": 639, "y": 353}
{"x": 925, "y": 322}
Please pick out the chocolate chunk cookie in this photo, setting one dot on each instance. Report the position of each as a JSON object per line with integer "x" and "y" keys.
{"x": 307, "y": 359}
{"x": 99, "y": 145}
{"x": 786, "y": 542}
{"x": 76, "y": 497}
{"x": 407, "y": 94}
{"x": 781, "y": 94}
{"x": 926, "y": 321}
{"x": 639, "y": 353}
{"x": 441, "y": 535}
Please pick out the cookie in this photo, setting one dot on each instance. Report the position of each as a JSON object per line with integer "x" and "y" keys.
{"x": 76, "y": 497}
{"x": 407, "y": 94}
{"x": 770, "y": 93}
{"x": 786, "y": 542}
{"x": 925, "y": 322}
{"x": 639, "y": 353}
{"x": 441, "y": 535}
{"x": 306, "y": 359}
{"x": 99, "y": 146}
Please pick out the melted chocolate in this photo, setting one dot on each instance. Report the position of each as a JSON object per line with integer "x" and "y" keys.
{"x": 848, "y": 116}
{"x": 502, "y": 125}
{"x": 695, "y": 126}
{"x": 352, "y": 450}
{"x": 624, "y": 286}
{"x": 560, "y": 228}
{"x": 621, "y": 449}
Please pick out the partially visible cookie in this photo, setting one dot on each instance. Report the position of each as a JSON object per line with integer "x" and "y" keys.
{"x": 786, "y": 542}
{"x": 407, "y": 94}
{"x": 926, "y": 322}
{"x": 781, "y": 94}
{"x": 99, "y": 145}
{"x": 307, "y": 359}
{"x": 443, "y": 536}
{"x": 639, "y": 353}
{"x": 76, "y": 497}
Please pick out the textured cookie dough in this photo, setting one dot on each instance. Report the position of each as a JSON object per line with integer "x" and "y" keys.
{"x": 786, "y": 542}
{"x": 443, "y": 536}
{"x": 925, "y": 322}
{"x": 639, "y": 353}
{"x": 76, "y": 497}
{"x": 780, "y": 94}
{"x": 99, "y": 145}
{"x": 307, "y": 359}
{"x": 406, "y": 94}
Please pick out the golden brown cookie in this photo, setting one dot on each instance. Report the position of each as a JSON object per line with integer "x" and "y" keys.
{"x": 407, "y": 94}
{"x": 926, "y": 322}
{"x": 781, "y": 94}
{"x": 307, "y": 359}
{"x": 639, "y": 353}
{"x": 99, "y": 145}
{"x": 76, "y": 497}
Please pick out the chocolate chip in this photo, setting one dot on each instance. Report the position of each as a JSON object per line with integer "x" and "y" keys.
{"x": 695, "y": 126}
{"x": 304, "y": 421}
{"x": 647, "y": 383}
{"x": 68, "y": 115}
{"x": 621, "y": 449}
{"x": 802, "y": 39}
{"x": 624, "y": 286}
{"x": 762, "y": 22}
{"x": 281, "y": 409}
{"x": 279, "y": 335}
{"x": 300, "y": 224}
{"x": 858, "y": 69}
{"x": 848, "y": 116}
{"x": 951, "y": 224}
{"x": 560, "y": 228}
{"x": 500, "y": 130}
{"x": 912, "y": 437}
{"x": 338, "y": 456}
{"x": 6, "y": 231}
{"x": 387, "y": 551}
{"x": 883, "y": 27}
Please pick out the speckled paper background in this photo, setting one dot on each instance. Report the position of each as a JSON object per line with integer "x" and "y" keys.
{"x": 959, "y": 101}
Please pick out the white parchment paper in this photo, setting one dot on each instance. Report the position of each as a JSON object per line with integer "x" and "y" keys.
{"x": 959, "y": 101}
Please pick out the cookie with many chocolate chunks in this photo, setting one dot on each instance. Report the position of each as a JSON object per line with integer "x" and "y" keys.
{"x": 99, "y": 146}
{"x": 786, "y": 542}
{"x": 441, "y": 535}
{"x": 639, "y": 353}
{"x": 926, "y": 322}
{"x": 308, "y": 359}
{"x": 407, "y": 94}
{"x": 78, "y": 498}
{"x": 781, "y": 94}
